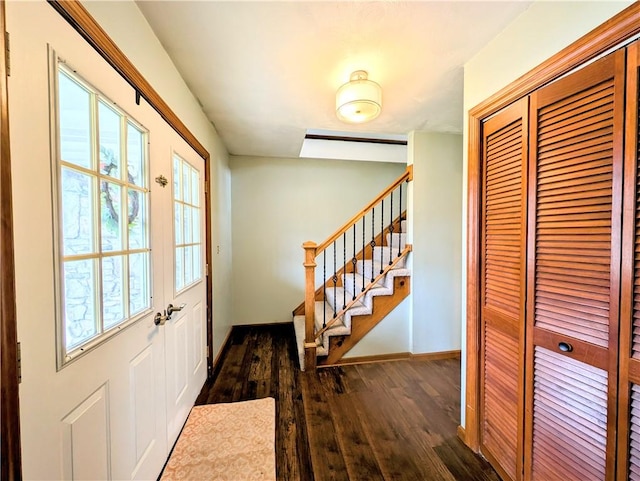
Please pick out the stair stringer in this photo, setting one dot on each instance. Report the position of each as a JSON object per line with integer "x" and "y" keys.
{"x": 362, "y": 324}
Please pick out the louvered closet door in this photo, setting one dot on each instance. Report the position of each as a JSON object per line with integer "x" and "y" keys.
{"x": 629, "y": 393}
{"x": 503, "y": 288}
{"x": 575, "y": 197}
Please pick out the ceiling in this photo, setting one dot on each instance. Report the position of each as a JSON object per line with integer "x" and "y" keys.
{"x": 265, "y": 72}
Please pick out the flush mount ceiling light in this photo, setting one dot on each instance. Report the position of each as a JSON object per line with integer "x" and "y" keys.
{"x": 359, "y": 100}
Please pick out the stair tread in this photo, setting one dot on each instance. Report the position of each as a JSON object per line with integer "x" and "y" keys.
{"x": 340, "y": 297}
{"x": 349, "y": 278}
{"x": 378, "y": 289}
{"x": 358, "y": 308}
{"x": 386, "y": 248}
{"x": 397, "y": 270}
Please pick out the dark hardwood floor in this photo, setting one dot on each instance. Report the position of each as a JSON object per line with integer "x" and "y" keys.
{"x": 384, "y": 421}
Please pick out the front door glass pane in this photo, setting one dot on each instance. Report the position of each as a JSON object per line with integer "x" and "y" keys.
{"x": 187, "y": 218}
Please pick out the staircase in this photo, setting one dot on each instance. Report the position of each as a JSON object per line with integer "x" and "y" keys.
{"x": 367, "y": 286}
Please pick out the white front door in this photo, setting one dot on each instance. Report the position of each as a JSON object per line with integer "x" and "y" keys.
{"x": 185, "y": 331}
{"x": 104, "y": 389}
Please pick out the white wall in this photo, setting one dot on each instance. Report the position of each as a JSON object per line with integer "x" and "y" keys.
{"x": 434, "y": 226}
{"x": 429, "y": 319}
{"x": 125, "y": 24}
{"x": 539, "y": 33}
{"x": 392, "y": 335}
{"x": 277, "y": 205}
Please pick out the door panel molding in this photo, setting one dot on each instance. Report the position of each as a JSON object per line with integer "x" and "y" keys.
{"x": 86, "y": 438}
{"x": 142, "y": 404}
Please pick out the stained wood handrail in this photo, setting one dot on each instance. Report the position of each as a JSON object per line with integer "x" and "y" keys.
{"x": 351, "y": 303}
{"x": 406, "y": 176}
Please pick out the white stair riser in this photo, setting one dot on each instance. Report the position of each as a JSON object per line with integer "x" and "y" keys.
{"x": 324, "y": 315}
{"x": 388, "y": 254}
{"x": 299, "y": 329}
{"x": 401, "y": 264}
{"x": 393, "y": 239}
{"x": 387, "y": 280}
{"x": 359, "y": 308}
{"x": 367, "y": 266}
{"x": 367, "y": 300}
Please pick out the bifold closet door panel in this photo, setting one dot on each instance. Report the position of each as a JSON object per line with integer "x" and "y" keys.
{"x": 629, "y": 458}
{"x": 504, "y": 173}
{"x": 573, "y": 252}
{"x": 629, "y": 391}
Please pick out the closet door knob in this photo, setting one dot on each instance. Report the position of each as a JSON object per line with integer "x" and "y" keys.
{"x": 565, "y": 347}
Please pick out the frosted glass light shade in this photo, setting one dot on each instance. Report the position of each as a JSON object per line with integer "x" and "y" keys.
{"x": 359, "y": 100}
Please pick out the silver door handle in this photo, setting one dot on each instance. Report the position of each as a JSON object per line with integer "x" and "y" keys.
{"x": 159, "y": 319}
{"x": 171, "y": 309}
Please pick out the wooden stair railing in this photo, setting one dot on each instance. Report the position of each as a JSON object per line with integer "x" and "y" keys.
{"x": 372, "y": 235}
{"x": 366, "y": 252}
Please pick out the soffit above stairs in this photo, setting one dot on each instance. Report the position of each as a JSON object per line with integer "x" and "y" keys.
{"x": 267, "y": 71}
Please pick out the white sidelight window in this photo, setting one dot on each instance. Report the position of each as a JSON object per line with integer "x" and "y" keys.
{"x": 101, "y": 200}
{"x": 187, "y": 236}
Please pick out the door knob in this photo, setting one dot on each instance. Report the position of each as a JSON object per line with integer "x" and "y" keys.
{"x": 171, "y": 309}
{"x": 159, "y": 320}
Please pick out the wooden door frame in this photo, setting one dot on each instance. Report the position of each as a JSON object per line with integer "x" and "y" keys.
{"x": 10, "y": 412}
{"x": 90, "y": 30}
{"x": 613, "y": 32}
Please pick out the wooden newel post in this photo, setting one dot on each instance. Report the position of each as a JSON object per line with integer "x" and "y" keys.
{"x": 309, "y": 304}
